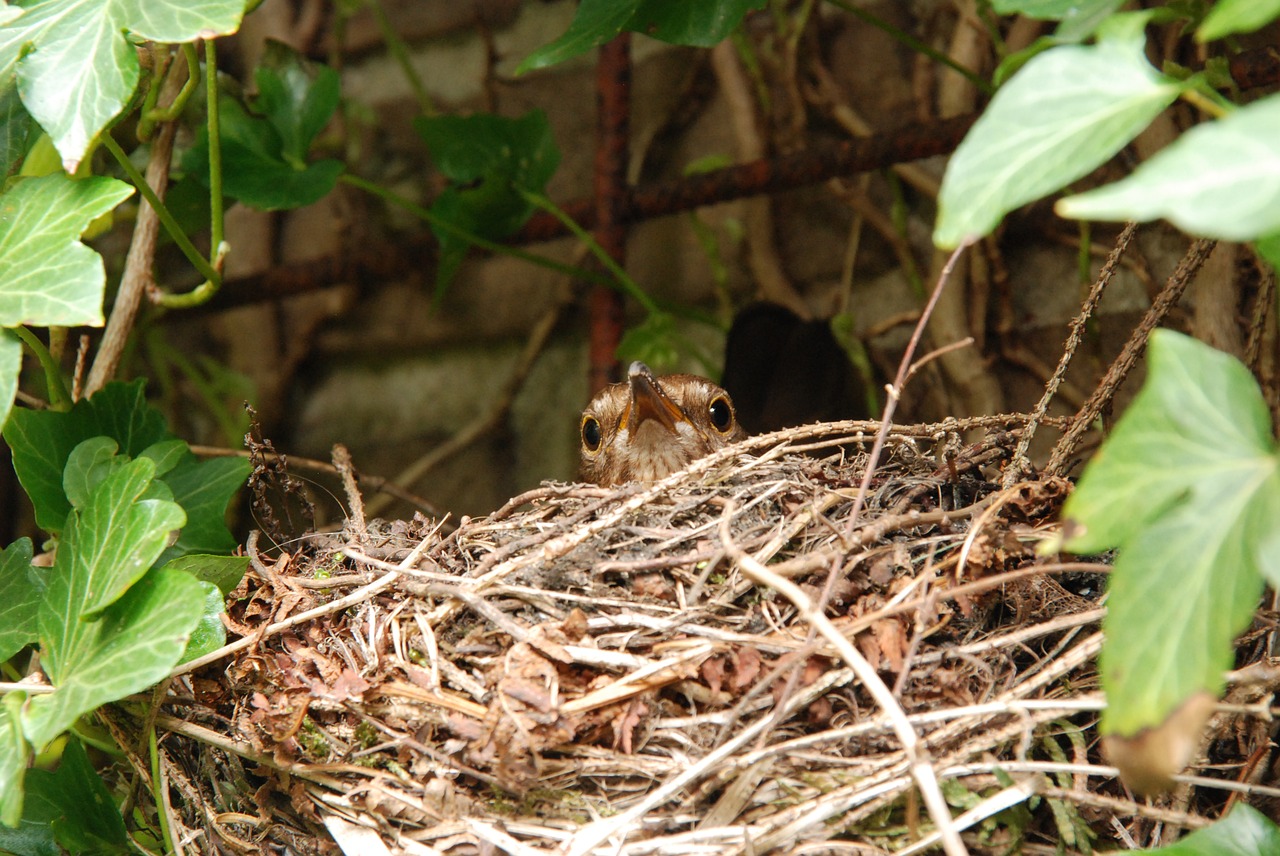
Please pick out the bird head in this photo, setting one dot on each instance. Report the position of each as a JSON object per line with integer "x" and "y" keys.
{"x": 645, "y": 428}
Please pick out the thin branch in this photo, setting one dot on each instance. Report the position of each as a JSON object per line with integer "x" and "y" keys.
{"x": 921, "y": 770}
{"x": 171, "y": 226}
{"x": 59, "y": 398}
{"x": 212, "y": 269}
{"x": 371, "y": 482}
{"x": 1074, "y": 337}
{"x": 358, "y": 596}
{"x": 137, "y": 277}
{"x": 1101, "y": 399}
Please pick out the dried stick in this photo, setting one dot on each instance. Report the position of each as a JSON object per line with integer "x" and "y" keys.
{"x": 1260, "y": 315}
{"x": 1076, "y": 333}
{"x": 589, "y": 836}
{"x": 142, "y": 247}
{"x": 1119, "y": 370}
{"x": 374, "y": 483}
{"x": 355, "y": 502}
{"x": 992, "y": 805}
{"x": 358, "y": 596}
{"x": 905, "y": 368}
{"x": 921, "y": 769}
{"x": 218, "y": 740}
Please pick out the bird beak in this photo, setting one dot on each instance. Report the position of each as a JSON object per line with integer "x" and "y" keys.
{"x": 648, "y": 401}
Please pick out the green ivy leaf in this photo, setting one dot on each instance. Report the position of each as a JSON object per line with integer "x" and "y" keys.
{"x": 19, "y": 597}
{"x": 47, "y": 277}
{"x": 653, "y": 342}
{"x": 702, "y": 24}
{"x": 1237, "y": 16}
{"x": 108, "y": 627}
{"x": 10, "y": 368}
{"x": 1187, "y": 487}
{"x": 42, "y": 441}
{"x": 1244, "y": 832}
{"x": 484, "y": 147}
{"x": 14, "y": 754}
{"x": 254, "y": 167}
{"x": 219, "y": 575}
{"x": 224, "y": 572}
{"x": 1052, "y": 10}
{"x": 167, "y": 455}
{"x": 93, "y": 461}
{"x": 17, "y": 130}
{"x": 88, "y": 465}
{"x": 1063, "y": 114}
{"x": 76, "y": 805}
{"x": 1220, "y": 179}
{"x": 489, "y": 160}
{"x": 204, "y": 489}
{"x": 297, "y": 97}
{"x": 595, "y": 22}
{"x": 76, "y": 69}
{"x": 109, "y": 544}
{"x": 1077, "y": 20}
{"x": 265, "y": 147}
{"x": 133, "y": 644}
{"x": 209, "y": 634}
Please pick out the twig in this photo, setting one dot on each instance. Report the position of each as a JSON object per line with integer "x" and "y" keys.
{"x": 1074, "y": 337}
{"x": 894, "y": 391}
{"x": 1262, "y": 309}
{"x": 992, "y": 805}
{"x": 993, "y": 504}
{"x": 1109, "y": 772}
{"x": 329, "y": 608}
{"x": 812, "y": 612}
{"x": 936, "y": 353}
{"x": 982, "y": 712}
{"x": 894, "y": 394}
{"x": 77, "y": 377}
{"x": 357, "y": 596}
{"x": 593, "y": 834}
{"x": 136, "y": 278}
{"x": 376, "y": 483}
{"x": 1098, "y": 402}
{"x": 23, "y": 687}
{"x": 355, "y": 502}
{"x": 218, "y": 740}
{"x": 499, "y": 841}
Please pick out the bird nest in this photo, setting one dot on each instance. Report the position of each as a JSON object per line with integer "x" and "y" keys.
{"x": 757, "y": 654}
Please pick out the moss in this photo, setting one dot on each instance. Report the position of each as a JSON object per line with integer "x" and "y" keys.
{"x": 548, "y": 802}
{"x": 312, "y": 740}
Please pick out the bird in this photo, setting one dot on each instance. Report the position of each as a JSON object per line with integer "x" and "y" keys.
{"x": 646, "y": 428}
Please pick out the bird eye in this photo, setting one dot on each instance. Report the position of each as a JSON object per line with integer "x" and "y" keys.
{"x": 721, "y": 413}
{"x": 590, "y": 433}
